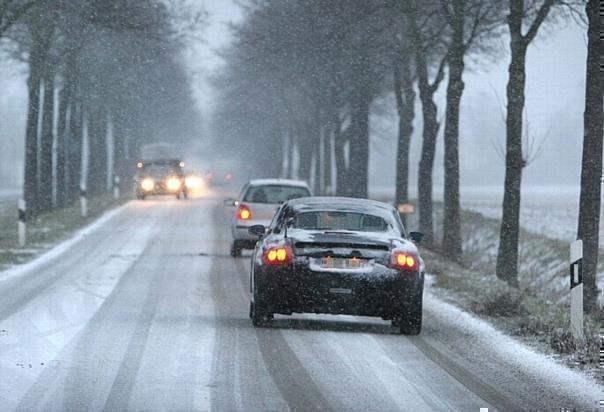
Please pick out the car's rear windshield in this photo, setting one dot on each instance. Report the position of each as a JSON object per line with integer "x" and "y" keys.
{"x": 339, "y": 220}
{"x": 274, "y": 193}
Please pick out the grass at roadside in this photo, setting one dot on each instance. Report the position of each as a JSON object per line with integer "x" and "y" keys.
{"x": 45, "y": 230}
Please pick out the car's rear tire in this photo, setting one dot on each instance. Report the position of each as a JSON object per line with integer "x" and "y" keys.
{"x": 260, "y": 314}
{"x": 235, "y": 250}
{"x": 409, "y": 322}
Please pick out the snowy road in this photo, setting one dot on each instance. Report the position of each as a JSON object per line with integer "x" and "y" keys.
{"x": 149, "y": 312}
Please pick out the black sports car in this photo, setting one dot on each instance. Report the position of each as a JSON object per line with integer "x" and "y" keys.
{"x": 339, "y": 256}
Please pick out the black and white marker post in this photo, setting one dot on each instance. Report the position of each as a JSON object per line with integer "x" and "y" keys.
{"x": 576, "y": 290}
{"x": 22, "y": 228}
{"x": 83, "y": 202}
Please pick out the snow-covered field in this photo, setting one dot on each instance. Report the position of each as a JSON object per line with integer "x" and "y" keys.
{"x": 551, "y": 211}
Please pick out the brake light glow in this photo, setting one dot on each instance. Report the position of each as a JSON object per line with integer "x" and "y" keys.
{"x": 404, "y": 261}
{"x": 278, "y": 256}
{"x": 244, "y": 212}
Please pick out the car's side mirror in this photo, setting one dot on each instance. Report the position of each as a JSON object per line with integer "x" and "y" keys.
{"x": 416, "y": 237}
{"x": 230, "y": 202}
{"x": 257, "y": 230}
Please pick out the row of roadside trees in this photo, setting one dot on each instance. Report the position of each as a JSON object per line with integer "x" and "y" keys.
{"x": 105, "y": 77}
{"x": 301, "y": 76}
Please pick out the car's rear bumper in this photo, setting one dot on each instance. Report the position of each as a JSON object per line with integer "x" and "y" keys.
{"x": 381, "y": 292}
{"x": 239, "y": 230}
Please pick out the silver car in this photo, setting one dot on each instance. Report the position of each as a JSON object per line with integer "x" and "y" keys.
{"x": 256, "y": 205}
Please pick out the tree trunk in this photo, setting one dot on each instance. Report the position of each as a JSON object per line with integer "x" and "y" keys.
{"x": 291, "y": 147}
{"x": 405, "y": 103}
{"x": 507, "y": 258}
{"x": 305, "y": 149}
{"x": 359, "y": 143}
{"x": 327, "y": 149}
{"x": 591, "y": 165}
{"x": 451, "y": 246}
{"x": 97, "y": 170}
{"x": 430, "y": 127}
{"x": 46, "y": 141}
{"x": 41, "y": 38}
{"x": 74, "y": 148}
{"x": 426, "y": 165}
{"x": 62, "y": 127}
{"x": 341, "y": 168}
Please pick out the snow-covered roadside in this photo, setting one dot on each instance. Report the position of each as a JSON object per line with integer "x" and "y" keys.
{"x": 540, "y": 367}
{"x": 34, "y": 336}
{"x": 62, "y": 247}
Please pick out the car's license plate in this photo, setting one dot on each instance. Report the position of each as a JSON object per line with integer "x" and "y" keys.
{"x": 343, "y": 263}
{"x": 342, "y": 291}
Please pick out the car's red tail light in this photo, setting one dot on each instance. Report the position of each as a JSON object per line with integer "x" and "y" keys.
{"x": 244, "y": 212}
{"x": 404, "y": 260}
{"x": 278, "y": 255}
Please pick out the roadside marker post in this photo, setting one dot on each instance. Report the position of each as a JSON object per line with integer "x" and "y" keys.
{"x": 576, "y": 290}
{"x": 116, "y": 187}
{"x": 22, "y": 225}
{"x": 83, "y": 203}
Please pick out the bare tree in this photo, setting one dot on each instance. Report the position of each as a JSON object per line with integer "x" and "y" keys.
{"x": 405, "y": 105}
{"x": 473, "y": 25}
{"x": 507, "y": 258}
{"x": 426, "y": 40}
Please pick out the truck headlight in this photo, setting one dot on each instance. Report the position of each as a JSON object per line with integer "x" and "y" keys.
{"x": 173, "y": 184}
{"x": 147, "y": 184}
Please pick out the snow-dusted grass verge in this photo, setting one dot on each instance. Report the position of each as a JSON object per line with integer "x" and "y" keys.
{"x": 538, "y": 311}
{"x": 45, "y": 231}
{"x": 542, "y": 323}
{"x": 528, "y": 361}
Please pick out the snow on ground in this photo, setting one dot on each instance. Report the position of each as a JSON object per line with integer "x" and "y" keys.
{"x": 528, "y": 362}
{"x": 551, "y": 211}
{"x": 10, "y": 192}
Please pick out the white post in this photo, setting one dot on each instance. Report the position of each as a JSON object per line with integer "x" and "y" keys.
{"x": 22, "y": 223}
{"x": 83, "y": 203}
{"x": 116, "y": 187}
{"x": 576, "y": 290}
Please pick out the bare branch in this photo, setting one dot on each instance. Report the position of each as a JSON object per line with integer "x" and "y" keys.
{"x": 541, "y": 15}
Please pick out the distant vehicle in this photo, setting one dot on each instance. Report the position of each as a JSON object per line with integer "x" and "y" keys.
{"x": 219, "y": 178}
{"x": 195, "y": 183}
{"x": 256, "y": 205}
{"x": 339, "y": 256}
{"x": 160, "y": 177}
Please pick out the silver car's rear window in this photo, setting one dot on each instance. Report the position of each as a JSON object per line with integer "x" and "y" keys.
{"x": 274, "y": 193}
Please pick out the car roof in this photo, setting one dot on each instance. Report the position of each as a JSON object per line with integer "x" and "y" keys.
{"x": 339, "y": 203}
{"x": 286, "y": 182}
